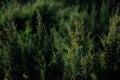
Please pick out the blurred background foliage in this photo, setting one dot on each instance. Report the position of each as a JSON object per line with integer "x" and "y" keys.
{"x": 59, "y": 40}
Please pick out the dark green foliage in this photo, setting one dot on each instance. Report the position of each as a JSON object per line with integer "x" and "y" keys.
{"x": 59, "y": 40}
{"x": 113, "y": 48}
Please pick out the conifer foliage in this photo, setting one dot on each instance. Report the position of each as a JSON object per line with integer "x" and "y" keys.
{"x": 59, "y": 40}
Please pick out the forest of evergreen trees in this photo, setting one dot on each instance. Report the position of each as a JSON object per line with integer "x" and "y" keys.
{"x": 59, "y": 40}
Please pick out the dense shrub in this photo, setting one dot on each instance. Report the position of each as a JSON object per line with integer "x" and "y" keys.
{"x": 59, "y": 40}
{"x": 112, "y": 49}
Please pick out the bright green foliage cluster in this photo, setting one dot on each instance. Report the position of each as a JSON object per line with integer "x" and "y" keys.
{"x": 59, "y": 40}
